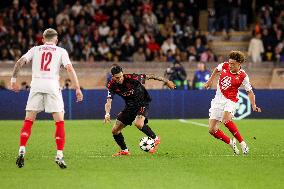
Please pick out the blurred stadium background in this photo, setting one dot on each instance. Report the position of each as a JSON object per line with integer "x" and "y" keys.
{"x": 182, "y": 40}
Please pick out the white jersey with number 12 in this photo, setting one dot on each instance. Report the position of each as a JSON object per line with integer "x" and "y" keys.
{"x": 46, "y": 61}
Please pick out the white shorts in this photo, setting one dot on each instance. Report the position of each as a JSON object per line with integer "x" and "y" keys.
{"x": 219, "y": 105}
{"x": 38, "y": 102}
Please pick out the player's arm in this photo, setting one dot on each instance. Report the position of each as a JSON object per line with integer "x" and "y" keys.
{"x": 110, "y": 95}
{"x": 252, "y": 101}
{"x": 16, "y": 70}
{"x": 169, "y": 83}
{"x": 74, "y": 79}
{"x": 107, "y": 110}
{"x": 209, "y": 83}
{"x": 250, "y": 93}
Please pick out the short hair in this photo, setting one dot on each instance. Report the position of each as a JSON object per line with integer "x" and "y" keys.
{"x": 115, "y": 69}
{"x": 49, "y": 33}
{"x": 237, "y": 56}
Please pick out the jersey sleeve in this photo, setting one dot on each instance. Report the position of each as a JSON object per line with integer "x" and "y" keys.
{"x": 29, "y": 55}
{"x": 139, "y": 77}
{"x": 65, "y": 58}
{"x": 247, "y": 84}
{"x": 219, "y": 67}
{"x": 110, "y": 94}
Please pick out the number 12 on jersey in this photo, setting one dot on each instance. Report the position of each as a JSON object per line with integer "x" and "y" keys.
{"x": 45, "y": 61}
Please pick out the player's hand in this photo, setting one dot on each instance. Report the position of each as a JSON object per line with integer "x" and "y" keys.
{"x": 107, "y": 118}
{"x": 171, "y": 85}
{"x": 79, "y": 95}
{"x": 256, "y": 109}
{"x": 207, "y": 85}
{"x": 14, "y": 87}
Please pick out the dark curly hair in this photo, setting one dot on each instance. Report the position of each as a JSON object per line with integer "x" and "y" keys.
{"x": 115, "y": 69}
{"x": 237, "y": 56}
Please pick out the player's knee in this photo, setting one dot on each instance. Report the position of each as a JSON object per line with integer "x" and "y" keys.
{"x": 30, "y": 118}
{"x": 211, "y": 130}
{"x": 138, "y": 124}
{"x": 225, "y": 120}
{"x": 115, "y": 131}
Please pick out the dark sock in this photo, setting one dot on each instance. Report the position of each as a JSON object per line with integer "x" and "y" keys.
{"x": 148, "y": 131}
{"x": 119, "y": 139}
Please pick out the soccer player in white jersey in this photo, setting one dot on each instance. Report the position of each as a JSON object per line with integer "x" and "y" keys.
{"x": 223, "y": 106}
{"x": 45, "y": 93}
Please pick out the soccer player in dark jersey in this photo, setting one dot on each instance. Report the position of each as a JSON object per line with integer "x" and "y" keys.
{"x": 130, "y": 88}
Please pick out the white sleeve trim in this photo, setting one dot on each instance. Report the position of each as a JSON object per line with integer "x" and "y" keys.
{"x": 247, "y": 84}
{"x": 219, "y": 67}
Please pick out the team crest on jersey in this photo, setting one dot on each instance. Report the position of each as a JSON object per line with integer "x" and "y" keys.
{"x": 226, "y": 82}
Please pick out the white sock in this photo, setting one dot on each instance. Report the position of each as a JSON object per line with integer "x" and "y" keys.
{"x": 22, "y": 150}
{"x": 243, "y": 143}
{"x": 59, "y": 154}
{"x": 126, "y": 150}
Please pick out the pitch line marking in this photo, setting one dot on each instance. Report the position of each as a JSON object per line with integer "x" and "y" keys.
{"x": 193, "y": 123}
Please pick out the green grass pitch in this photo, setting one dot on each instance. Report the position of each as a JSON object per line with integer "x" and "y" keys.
{"x": 188, "y": 157}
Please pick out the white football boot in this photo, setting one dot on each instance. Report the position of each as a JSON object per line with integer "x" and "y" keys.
{"x": 245, "y": 148}
{"x": 233, "y": 144}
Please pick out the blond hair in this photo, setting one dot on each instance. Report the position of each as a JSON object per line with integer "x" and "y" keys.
{"x": 237, "y": 56}
{"x": 49, "y": 34}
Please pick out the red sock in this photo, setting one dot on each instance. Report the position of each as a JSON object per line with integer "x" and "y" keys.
{"x": 26, "y": 132}
{"x": 222, "y": 136}
{"x": 234, "y": 130}
{"x": 60, "y": 135}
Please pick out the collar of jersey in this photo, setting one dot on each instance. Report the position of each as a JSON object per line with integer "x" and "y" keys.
{"x": 49, "y": 44}
{"x": 236, "y": 73}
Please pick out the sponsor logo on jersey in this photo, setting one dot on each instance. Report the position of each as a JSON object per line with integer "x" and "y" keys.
{"x": 226, "y": 82}
{"x": 128, "y": 93}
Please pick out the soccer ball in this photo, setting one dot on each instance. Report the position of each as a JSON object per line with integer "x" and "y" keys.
{"x": 146, "y": 143}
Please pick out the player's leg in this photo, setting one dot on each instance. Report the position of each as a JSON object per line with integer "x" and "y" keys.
{"x": 25, "y": 134}
{"x": 34, "y": 105}
{"x": 141, "y": 123}
{"x": 217, "y": 133}
{"x": 119, "y": 138}
{"x": 227, "y": 120}
{"x": 53, "y": 103}
{"x": 59, "y": 138}
{"x": 216, "y": 113}
{"x": 215, "y": 117}
{"x": 26, "y": 129}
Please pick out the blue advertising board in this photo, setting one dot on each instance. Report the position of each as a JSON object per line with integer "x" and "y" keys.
{"x": 166, "y": 104}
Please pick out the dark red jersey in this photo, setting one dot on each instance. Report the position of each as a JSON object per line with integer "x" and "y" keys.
{"x": 131, "y": 90}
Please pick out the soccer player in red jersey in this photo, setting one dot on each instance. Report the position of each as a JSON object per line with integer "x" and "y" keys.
{"x": 223, "y": 106}
{"x": 130, "y": 88}
{"x": 45, "y": 93}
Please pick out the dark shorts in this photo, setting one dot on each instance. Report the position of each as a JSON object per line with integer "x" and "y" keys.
{"x": 128, "y": 114}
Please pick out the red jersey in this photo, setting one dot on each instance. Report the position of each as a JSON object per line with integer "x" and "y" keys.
{"x": 229, "y": 83}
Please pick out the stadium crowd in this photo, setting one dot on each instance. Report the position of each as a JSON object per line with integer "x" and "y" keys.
{"x": 106, "y": 30}
{"x": 135, "y": 30}
{"x": 269, "y": 29}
